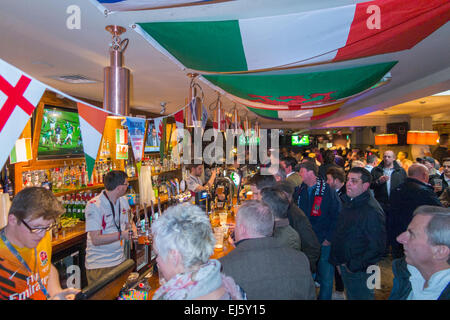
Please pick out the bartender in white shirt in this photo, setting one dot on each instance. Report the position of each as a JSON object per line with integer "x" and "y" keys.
{"x": 194, "y": 181}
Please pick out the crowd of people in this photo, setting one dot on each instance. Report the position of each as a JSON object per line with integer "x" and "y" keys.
{"x": 315, "y": 229}
{"x": 321, "y": 226}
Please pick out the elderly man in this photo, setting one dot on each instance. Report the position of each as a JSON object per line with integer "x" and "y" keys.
{"x": 262, "y": 266}
{"x": 424, "y": 273}
{"x": 359, "y": 239}
{"x": 406, "y": 198}
{"x": 387, "y": 176}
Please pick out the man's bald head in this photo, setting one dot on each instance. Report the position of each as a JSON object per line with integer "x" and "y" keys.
{"x": 388, "y": 158}
{"x": 418, "y": 171}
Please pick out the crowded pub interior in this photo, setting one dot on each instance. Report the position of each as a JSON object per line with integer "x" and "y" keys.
{"x": 224, "y": 150}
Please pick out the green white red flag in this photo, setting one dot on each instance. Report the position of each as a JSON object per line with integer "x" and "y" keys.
{"x": 92, "y": 124}
{"x": 21, "y": 151}
{"x": 300, "y": 38}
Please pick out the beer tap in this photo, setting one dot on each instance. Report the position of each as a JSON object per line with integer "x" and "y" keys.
{"x": 153, "y": 217}
{"x": 159, "y": 207}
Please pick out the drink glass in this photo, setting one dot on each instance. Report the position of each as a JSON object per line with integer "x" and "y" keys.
{"x": 218, "y": 234}
{"x": 438, "y": 182}
{"x": 223, "y": 215}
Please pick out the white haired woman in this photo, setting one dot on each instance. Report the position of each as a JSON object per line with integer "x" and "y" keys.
{"x": 183, "y": 242}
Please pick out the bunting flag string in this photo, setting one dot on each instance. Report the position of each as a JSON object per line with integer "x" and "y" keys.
{"x": 92, "y": 124}
{"x": 19, "y": 96}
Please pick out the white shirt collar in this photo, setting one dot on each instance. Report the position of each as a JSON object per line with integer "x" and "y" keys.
{"x": 436, "y": 284}
{"x": 289, "y": 174}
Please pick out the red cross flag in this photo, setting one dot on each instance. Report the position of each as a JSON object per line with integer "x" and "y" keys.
{"x": 19, "y": 95}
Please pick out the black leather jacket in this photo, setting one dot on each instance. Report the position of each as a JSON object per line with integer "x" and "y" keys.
{"x": 360, "y": 237}
{"x": 380, "y": 189}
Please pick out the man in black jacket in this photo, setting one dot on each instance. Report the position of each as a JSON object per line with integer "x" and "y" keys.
{"x": 359, "y": 239}
{"x": 406, "y": 198}
{"x": 387, "y": 176}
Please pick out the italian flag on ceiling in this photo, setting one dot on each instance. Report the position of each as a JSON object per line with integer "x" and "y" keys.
{"x": 92, "y": 124}
{"x": 297, "y": 89}
{"x": 298, "y": 39}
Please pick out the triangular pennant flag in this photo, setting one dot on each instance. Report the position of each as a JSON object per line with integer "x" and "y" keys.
{"x": 92, "y": 124}
{"x": 19, "y": 95}
{"x": 21, "y": 151}
{"x": 204, "y": 117}
{"x": 136, "y": 131}
{"x": 179, "y": 121}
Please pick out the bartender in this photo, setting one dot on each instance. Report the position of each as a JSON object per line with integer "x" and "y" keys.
{"x": 194, "y": 181}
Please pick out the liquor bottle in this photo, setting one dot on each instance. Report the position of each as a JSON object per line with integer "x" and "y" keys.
{"x": 8, "y": 186}
{"x": 153, "y": 217}
{"x": 132, "y": 170}
{"x": 83, "y": 205}
{"x": 108, "y": 151}
{"x": 78, "y": 206}
{"x": 83, "y": 175}
{"x": 69, "y": 206}
{"x": 66, "y": 177}
{"x": 131, "y": 196}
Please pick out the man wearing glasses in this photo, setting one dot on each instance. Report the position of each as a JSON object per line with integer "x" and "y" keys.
{"x": 107, "y": 226}
{"x": 26, "y": 271}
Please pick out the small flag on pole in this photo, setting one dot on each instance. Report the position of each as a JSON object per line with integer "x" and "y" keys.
{"x": 121, "y": 136}
{"x": 21, "y": 151}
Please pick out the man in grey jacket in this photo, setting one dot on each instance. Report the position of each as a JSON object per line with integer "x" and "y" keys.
{"x": 264, "y": 268}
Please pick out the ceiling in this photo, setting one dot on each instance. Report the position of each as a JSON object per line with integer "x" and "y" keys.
{"x": 35, "y": 39}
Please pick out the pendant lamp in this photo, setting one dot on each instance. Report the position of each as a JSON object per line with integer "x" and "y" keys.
{"x": 390, "y": 138}
{"x": 422, "y": 137}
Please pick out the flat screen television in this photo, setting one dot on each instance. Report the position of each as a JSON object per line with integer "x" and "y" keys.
{"x": 152, "y": 142}
{"x": 300, "y": 140}
{"x": 60, "y": 135}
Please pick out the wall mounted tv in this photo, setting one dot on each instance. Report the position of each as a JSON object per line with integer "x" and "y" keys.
{"x": 152, "y": 142}
{"x": 300, "y": 140}
{"x": 60, "y": 135}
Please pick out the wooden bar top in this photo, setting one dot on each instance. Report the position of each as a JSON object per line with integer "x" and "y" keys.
{"x": 68, "y": 237}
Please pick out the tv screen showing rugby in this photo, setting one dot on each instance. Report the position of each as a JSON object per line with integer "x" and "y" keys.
{"x": 300, "y": 140}
{"x": 60, "y": 134}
